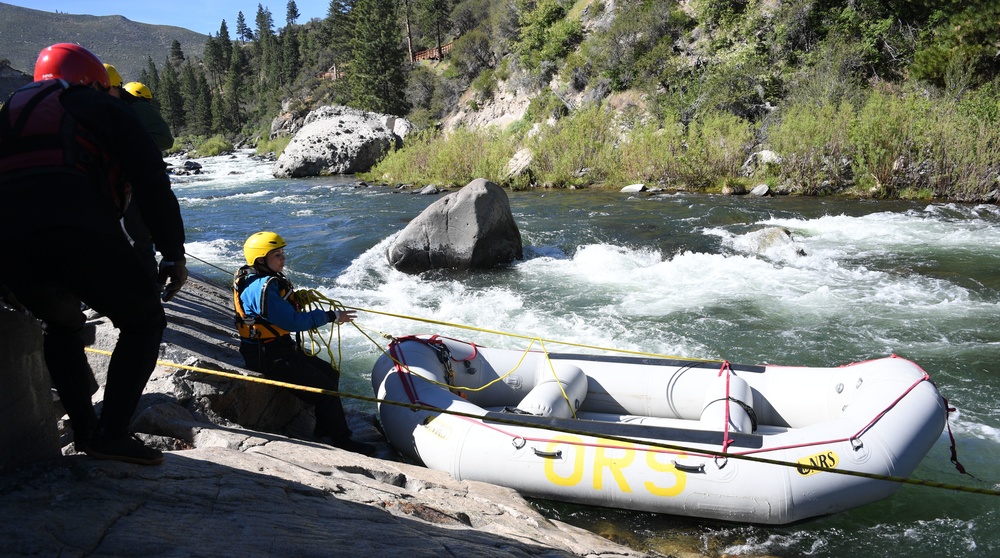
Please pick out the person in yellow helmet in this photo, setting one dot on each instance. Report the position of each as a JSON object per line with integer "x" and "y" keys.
{"x": 139, "y": 97}
{"x": 115, "y": 80}
{"x": 267, "y": 315}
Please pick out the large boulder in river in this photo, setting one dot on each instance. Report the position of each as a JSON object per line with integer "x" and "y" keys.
{"x": 340, "y": 140}
{"x": 472, "y": 228}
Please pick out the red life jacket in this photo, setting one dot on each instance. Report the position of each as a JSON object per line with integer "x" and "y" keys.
{"x": 38, "y": 135}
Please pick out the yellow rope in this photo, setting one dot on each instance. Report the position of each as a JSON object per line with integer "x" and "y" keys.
{"x": 311, "y": 297}
{"x": 521, "y": 336}
{"x": 319, "y": 296}
{"x": 515, "y": 422}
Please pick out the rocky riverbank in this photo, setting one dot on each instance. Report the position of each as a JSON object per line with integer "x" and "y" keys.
{"x": 229, "y": 486}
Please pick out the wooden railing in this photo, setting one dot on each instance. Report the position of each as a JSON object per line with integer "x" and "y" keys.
{"x": 432, "y": 53}
{"x": 334, "y": 73}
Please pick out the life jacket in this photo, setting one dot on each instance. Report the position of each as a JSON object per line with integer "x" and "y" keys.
{"x": 37, "y": 134}
{"x": 258, "y": 329}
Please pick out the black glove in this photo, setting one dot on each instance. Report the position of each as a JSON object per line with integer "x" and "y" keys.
{"x": 173, "y": 274}
{"x": 339, "y": 316}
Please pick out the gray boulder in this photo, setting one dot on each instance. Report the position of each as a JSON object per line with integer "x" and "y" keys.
{"x": 28, "y": 431}
{"x": 472, "y": 228}
{"x": 340, "y": 140}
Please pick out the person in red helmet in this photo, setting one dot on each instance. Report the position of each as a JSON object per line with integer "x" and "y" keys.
{"x": 66, "y": 147}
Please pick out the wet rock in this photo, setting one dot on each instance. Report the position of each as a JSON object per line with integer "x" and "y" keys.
{"x": 469, "y": 229}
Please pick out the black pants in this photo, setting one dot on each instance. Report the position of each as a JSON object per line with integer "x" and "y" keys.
{"x": 103, "y": 271}
{"x": 283, "y": 361}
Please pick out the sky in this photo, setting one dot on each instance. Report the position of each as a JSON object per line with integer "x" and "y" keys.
{"x": 202, "y": 16}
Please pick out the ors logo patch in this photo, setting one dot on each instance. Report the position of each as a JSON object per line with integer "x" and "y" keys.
{"x": 827, "y": 460}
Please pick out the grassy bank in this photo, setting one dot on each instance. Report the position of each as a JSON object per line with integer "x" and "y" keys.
{"x": 886, "y": 144}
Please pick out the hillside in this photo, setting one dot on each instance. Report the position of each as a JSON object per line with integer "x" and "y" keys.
{"x": 115, "y": 39}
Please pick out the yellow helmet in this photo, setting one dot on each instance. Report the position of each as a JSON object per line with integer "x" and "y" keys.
{"x": 113, "y": 75}
{"x": 259, "y": 244}
{"x": 139, "y": 90}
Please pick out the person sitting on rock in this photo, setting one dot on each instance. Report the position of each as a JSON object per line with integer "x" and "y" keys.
{"x": 266, "y": 315}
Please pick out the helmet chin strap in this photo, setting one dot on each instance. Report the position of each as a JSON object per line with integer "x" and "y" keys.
{"x": 261, "y": 265}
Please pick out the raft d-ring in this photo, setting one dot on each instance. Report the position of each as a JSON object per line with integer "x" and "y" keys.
{"x": 856, "y": 444}
{"x": 518, "y": 442}
{"x": 725, "y": 461}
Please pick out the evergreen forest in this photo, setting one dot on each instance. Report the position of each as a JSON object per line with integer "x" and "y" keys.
{"x": 879, "y": 98}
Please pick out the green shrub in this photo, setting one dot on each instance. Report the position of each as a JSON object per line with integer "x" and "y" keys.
{"x": 650, "y": 152}
{"x": 277, "y": 145}
{"x": 546, "y": 104}
{"x": 811, "y": 139}
{"x": 456, "y": 158}
{"x": 215, "y": 145}
{"x": 484, "y": 86}
{"x": 886, "y": 128}
{"x": 199, "y": 146}
{"x": 716, "y": 144}
{"x": 578, "y": 150}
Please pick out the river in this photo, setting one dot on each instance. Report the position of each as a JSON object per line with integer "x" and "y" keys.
{"x": 677, "y": 274}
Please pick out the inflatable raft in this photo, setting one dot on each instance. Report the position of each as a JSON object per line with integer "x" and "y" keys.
{"x": 757, "y": 444}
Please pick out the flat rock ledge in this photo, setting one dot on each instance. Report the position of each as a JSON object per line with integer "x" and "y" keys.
{"x": 229, "y": 491}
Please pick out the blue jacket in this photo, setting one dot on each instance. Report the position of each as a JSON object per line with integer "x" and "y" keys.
{"x": 262, "y": 300}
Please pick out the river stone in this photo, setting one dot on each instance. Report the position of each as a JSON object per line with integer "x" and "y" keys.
{"x": 340, "y": 140}
{"x": 27, "y": 418}
{"x": 472, "y": 228}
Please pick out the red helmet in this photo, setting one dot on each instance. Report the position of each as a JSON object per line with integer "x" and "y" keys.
{"x": 72, "y": 63}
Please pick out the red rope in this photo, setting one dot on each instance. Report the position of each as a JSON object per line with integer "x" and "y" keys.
{"x": 889, "y": 408}
{"x": 402, "y": 370}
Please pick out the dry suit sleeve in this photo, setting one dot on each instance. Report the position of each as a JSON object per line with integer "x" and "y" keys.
{"x": 144, "y": 169}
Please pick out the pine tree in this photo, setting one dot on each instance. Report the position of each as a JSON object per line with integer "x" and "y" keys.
{"x": 289, "y": 40}
{"x": 152, "y": 81}
{"x": 242, "y": 31}
{"x": 231, "y": 115}
{"x": 339, "y": 29}
{"x": 189, "y": 96}
{"x": 290, "y": 58}
{"x": 436, "y": 12}
{"x": 265, "y": 51}
{"x": 224, "y": 43}
{"x": 215, "y": 62}
{"x": 203, "y": 106}
{"x": 376, "y": 76}
{"x": 406, "y": 25}
{"x": 176, "y": 54}
{"x": 171, "y": 101}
